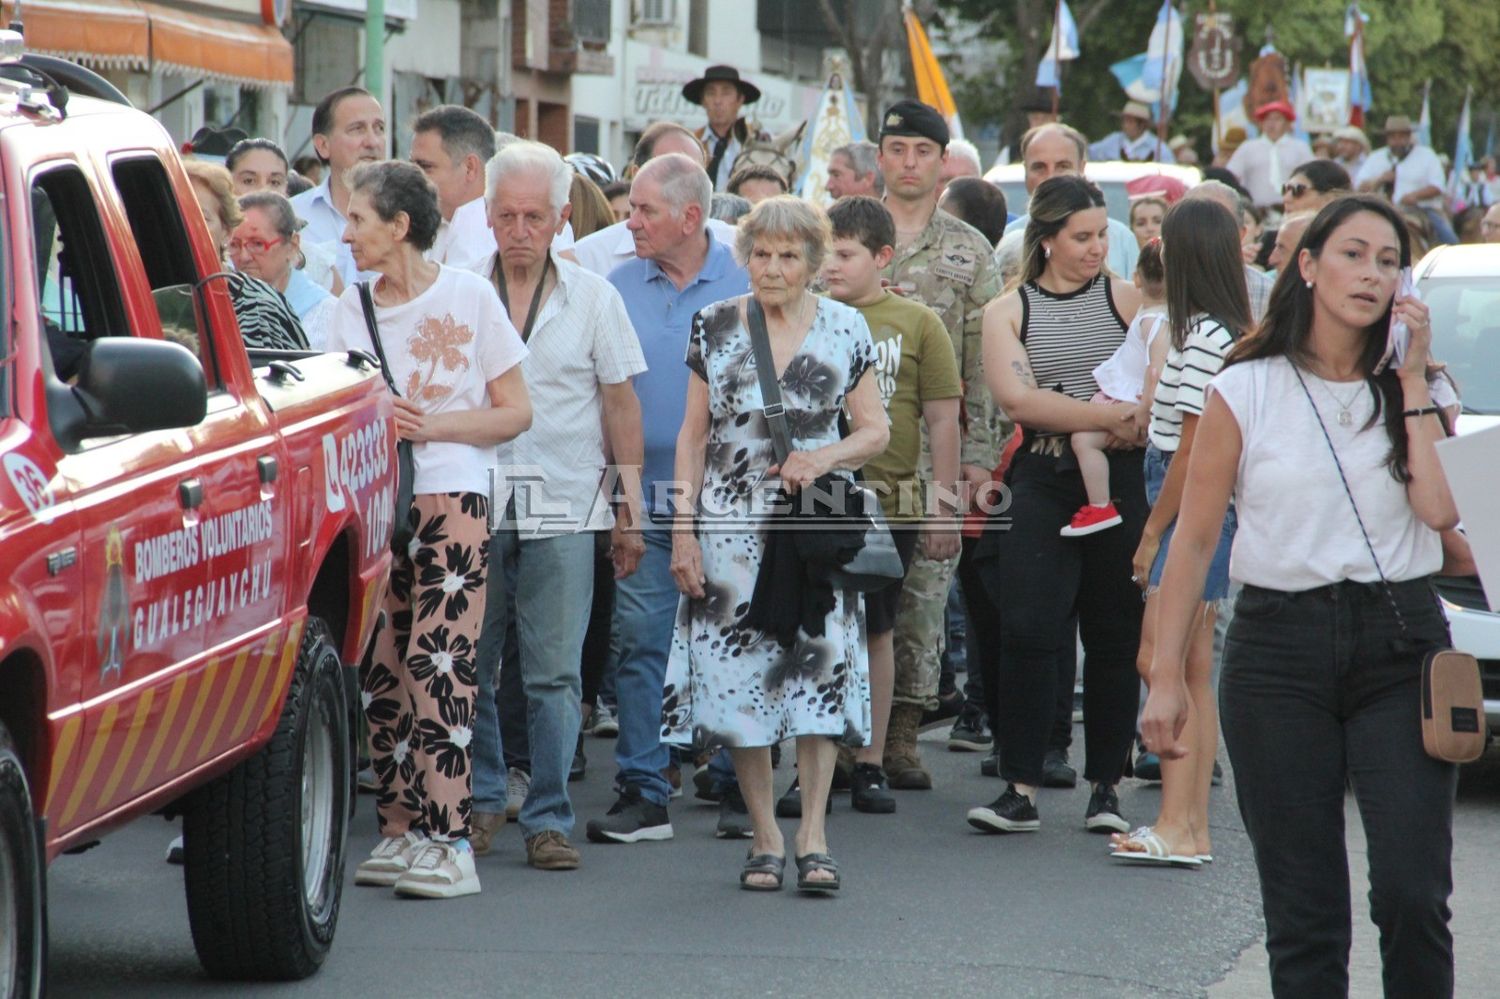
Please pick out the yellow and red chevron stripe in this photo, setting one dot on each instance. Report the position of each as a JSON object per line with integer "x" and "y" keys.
{"x": 133, "y": 744}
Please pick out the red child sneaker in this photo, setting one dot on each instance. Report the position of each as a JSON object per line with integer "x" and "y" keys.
{"x": 1091, "y": 519}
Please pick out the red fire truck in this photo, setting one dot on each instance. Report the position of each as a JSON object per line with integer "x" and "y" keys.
{"x": 194, "y": 544}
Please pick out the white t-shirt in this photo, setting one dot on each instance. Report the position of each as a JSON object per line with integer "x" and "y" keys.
{"x": 1184, "y": 378}
{"x": 445, "y": 346}
{"x": 1421, "y": 168}
{"x": 1297, "y": 530}
{"x": 1124, "y": 375}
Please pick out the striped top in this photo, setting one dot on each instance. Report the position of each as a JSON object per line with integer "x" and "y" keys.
{"x": 1067, "y": 336}
{"x": 1184, "y": 378}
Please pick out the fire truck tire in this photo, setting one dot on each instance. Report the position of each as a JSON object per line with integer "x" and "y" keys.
{"x": 264, "y": 845}
{"x": 23, "y": 881}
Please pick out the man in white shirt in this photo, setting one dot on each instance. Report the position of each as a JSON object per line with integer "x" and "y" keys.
{"x": 1134, "y": 142}
{"x": 348, "y": 129}
{"x": 583, "y": 352}
{"x": 1058, "y": 150}
{"x": 603, "y": 251}
{"x": 452, "y": 144}
{"x": 1265, "y": 162}
{"x": 1351, "y": 148}
{"x": 1409, "y": 174}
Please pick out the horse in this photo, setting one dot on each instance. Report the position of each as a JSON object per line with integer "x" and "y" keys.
{"x": 779, "y": 153}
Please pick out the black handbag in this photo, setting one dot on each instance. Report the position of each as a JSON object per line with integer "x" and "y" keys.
{"x": 1453, "y": 720}
{"x": 877, "y": 564}
{"x": 402, "y": 528}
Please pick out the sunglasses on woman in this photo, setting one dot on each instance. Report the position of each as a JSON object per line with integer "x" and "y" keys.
{"x": 1294, "y": 190}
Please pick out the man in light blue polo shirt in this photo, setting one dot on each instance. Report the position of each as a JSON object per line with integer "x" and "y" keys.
{"x": 678, "y": 270}
{"x": 348, "y": 129}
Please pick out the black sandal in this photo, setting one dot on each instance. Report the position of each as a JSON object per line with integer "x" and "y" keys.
{"x": 762, "y": 863}
{"x": 810, "y": 862}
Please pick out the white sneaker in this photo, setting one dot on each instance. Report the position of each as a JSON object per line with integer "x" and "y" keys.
{"x": 517, "y": 787}
{"x": 389, "y": 860}
{"x": 605, "y": 724}
{"x": 174, "y": 851}
{"x": 441, "y": 870}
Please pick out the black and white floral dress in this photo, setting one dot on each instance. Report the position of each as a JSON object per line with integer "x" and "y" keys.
{"x": 729, "y": 685}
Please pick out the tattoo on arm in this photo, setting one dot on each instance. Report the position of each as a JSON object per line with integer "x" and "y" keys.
{"x": 1023, "y": 372}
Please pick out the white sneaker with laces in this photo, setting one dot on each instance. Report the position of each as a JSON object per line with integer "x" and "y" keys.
{"x": 605, "y": 724}
{"x": 389, "y": 860}
{"x": 441, "y": 870}
{"x": 517, "y": 787}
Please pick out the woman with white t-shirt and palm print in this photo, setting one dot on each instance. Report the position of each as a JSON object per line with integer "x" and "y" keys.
{"x": 455, "y": 361}
{"x": 1321, "y": 685}
{"x": 1208, "y": 309}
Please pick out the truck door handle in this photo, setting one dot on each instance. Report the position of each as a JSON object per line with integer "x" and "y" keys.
{"x": 268, "y": 468}
{"x": 190, "y": 492}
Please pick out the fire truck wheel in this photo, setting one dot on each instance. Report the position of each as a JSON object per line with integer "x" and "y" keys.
{"x": 264, "y": 845}
{"x": 23, "y": 879}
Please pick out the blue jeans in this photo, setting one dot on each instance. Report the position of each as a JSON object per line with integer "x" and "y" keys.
{"x": 1319, "y": 692}
{"x": 553, "y": 588}
{"x": 645, "y": 611}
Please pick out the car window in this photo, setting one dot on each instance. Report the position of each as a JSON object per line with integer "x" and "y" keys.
{"x": 77, "y": 292}
{"x": 1466, "y": 336}
{"x": 156, "y": 221}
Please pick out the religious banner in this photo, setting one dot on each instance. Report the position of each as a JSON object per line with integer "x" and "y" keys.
{"x": 835, "y": 123}
{"x": 1326, "y": 98}
{"x": 1214, "y": 59}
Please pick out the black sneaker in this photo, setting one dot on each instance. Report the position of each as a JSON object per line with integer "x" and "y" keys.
{"x": 1104, "y": 815}
{"x": 1057, "y": 771}
{"x": 734, "y": 816}
{"x": 1147, "y": 764}
{"x": 870, "y": 792}
{"x": 1218, "y": 777}
{"x": 970, "y": 734}
{"x": 990, "y": 765}
{"x": 703, "y": 786}
{"x": 949, "y": 706}
{"x": 1011, "y": 812}
{"x": 789, "y": 805}
{"x": 631, "y": 819}
{"x": 580, "y": 762}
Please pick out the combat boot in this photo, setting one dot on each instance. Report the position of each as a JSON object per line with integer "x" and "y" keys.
{"x": 903, "y": 765}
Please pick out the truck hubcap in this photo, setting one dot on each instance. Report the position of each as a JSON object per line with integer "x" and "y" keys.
{"x": 319, "y": 799}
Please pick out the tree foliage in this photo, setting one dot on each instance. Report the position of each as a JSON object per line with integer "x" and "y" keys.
{"x": 1452, "y": 42}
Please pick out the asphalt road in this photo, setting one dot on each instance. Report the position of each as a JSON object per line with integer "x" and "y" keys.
{"x": 929, "y": 907}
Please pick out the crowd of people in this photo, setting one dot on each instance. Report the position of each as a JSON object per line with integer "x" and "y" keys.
{"x": 615, "y": 386}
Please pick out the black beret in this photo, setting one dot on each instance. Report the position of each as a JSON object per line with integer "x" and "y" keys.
{"x": 915, "y": 119}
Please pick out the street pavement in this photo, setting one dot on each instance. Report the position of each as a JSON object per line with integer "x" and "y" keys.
{"x": 929, "y": 907}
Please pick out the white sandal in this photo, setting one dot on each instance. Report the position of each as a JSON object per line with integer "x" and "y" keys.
{"x": 1155, "y": 851}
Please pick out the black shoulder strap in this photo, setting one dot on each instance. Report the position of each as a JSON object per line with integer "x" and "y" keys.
{"x": 367, "y": 300}
{"x": 765, "y": 370}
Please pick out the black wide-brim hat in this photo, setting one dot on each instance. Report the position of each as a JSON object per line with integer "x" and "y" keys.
{"x": 693, "y": 89}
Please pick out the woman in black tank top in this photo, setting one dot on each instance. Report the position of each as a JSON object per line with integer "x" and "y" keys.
{"x": 1042, "y": 343}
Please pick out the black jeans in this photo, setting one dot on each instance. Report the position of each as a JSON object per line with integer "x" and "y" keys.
{"x": 1319, "y": 691}
{"x": 983, "y": 641}
{"x": 1040, "y": 580}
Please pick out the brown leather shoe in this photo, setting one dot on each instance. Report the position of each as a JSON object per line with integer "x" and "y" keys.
{"x": 551, "y": 851}
{"x": 482, "y": 829}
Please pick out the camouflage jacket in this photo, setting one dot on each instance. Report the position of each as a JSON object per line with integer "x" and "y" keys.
{"x": 948, "y": 269}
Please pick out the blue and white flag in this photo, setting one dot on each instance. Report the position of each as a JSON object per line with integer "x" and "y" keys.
{"x": 1463, "y": 147}
{"x": 1149, "y": 75}
{"x": 1062, "y": 47}
{"x": 1299, "y": 104}
{"x": 1360, "y": 98}
{"x": 1424, "y": 122}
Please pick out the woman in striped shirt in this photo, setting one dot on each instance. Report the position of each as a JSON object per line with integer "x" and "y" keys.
{"x": 1208, "y": 309}
{"x": 1042, "y": 343}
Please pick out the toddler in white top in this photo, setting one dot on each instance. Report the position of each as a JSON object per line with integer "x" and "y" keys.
{"x": 1128, "y": 376}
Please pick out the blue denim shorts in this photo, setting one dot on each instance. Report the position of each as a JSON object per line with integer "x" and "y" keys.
{"x": 1216, "y": 586}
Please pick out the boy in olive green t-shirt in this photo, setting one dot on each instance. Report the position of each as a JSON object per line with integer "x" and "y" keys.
{"x": 919, "y": 383}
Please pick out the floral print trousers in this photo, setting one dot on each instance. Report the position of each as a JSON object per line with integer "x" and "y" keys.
{"x": 419, "y": 694}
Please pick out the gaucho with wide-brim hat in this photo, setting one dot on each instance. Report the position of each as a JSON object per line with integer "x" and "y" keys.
{"x": 693, "y": 89}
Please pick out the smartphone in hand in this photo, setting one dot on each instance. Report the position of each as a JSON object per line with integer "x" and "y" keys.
{"x": 1398, "y": 337}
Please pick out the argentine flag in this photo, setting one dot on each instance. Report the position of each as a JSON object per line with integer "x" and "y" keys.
{"x": 1360, "y": 98}
{"x": 1463, "y": 147}
{"x": 1062, "y": 47}
{"x": 1146, "y": 77}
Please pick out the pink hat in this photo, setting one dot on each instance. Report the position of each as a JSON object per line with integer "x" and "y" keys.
{"x": 1169, "y": 189}
{"x": 1282, "y": 106}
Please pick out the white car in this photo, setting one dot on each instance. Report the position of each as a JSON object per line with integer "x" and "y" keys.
{"x": 1461, "y": 285}
{"x": 1111, "y": 176}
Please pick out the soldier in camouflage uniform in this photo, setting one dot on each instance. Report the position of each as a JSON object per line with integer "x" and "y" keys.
{"x": 944, "y": 264}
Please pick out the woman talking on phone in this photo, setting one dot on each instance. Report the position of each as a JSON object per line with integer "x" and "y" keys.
{"x": 1337, "y": 486}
